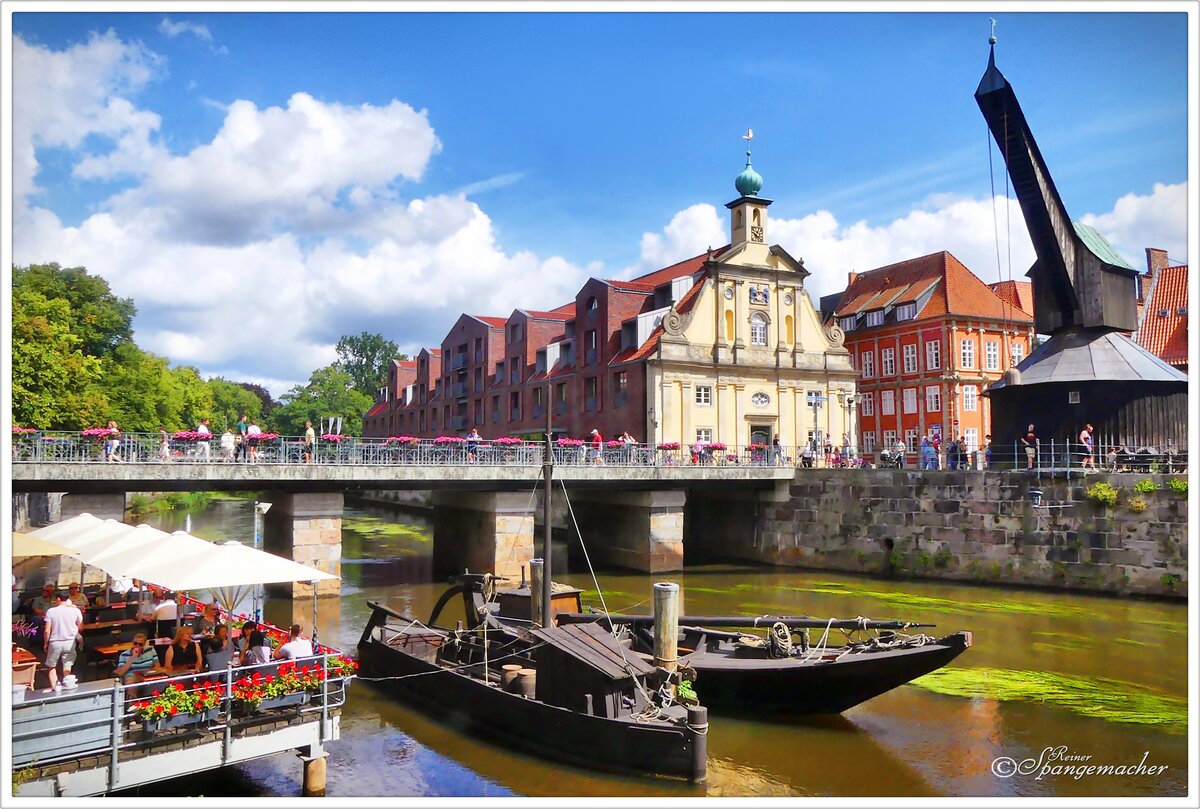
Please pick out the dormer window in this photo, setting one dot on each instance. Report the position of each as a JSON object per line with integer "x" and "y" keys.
{"x": 592, "y": 306}
{"x": 875, "y": 318}
{"x": 906, "y": 312}
{"x": 848, "y": 323}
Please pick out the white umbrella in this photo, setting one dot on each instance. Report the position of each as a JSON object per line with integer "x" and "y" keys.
{"x": 235, "y": 565}
{"x": 97, "y": 536}
{"x": 25, "y": 546}
{"x": 151, "y": 555}
{"x": 57, "y": 532}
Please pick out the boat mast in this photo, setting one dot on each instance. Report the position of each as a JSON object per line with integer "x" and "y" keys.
{"x": 548, "y": 476}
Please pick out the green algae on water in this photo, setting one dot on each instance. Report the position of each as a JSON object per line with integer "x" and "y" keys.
{"x": 376, "y": 528}
{"x": 1096, "y": 697}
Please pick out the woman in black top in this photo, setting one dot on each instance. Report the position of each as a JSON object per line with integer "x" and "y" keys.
{"x": 184, "y": 653}
{"x": 219, "y": 642}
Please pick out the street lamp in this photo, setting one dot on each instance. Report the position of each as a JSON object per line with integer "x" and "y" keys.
{"x": 259, "y": 510}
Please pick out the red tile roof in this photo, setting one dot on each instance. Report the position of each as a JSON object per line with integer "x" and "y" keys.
{"x": 1017, "y": 293}
{"x": 956, "y": 290}
{"x": 630, "y": 286}
{"x": 567, "y": 309}
{"x": 376, "y": 410}
{"x": 1166, "y": 336}
{"x": 553, "y": 314}
{"x": 406, "y": 363}
{"x": 436, "y": 352}
{"x": 689, "y": 266}
{"x": 647, "y": 348}
{"x": 494, "y": 322}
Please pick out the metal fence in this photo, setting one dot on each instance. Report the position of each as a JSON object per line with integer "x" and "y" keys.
{"x": 1071, "y": 457}
{"x": 147, "y": 448}
{"x": 88, "y": 721}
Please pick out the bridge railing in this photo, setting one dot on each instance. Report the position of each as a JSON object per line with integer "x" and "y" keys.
{"x": 149, "y": 448}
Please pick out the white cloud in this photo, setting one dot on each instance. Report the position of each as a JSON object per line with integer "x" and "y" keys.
{"x": 60, "y": 98}
{"x": 968, "y": 228}
{"x": 201, "y": 32}
{"x": 174, "y": 29}
{"x": 1137, "y": 222}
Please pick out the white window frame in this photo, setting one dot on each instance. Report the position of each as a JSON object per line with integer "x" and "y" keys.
{"x": 966, "y": 353}
{"x": 875, "y": 318}
{"x": 991, "y": 355}
{"x": 1017, "y": 353}
{"x": 887, "y": 402}
{"x": 704, "y": 434}
{"x": 910, "y": 358}
{"x": 933, "y": 399}
{"x": 971, "y": 435}
{"x": 909, "y": 400}
{"x": 758, "y": 329}
{"x": 868, "y": 364}
{"x": 704, "y": 395}
{"x": 869, "y": 441}
{"x": 933, "y": 355}
{"x": 970, "y": 398}
{"x": 868, "y": 404}
{"x": 887, "y": 362}
{"x": 848, "y": 323}
{"x": 889, "y": 439}
{"x": 910, "y": 438}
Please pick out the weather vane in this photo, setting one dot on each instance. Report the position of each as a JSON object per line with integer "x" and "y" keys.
{"x": 992, "y": 38}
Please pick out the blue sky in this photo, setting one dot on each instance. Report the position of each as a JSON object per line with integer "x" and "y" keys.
{"x": 385, "y": 171}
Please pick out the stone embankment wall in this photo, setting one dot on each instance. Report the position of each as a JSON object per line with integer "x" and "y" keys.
{"x": 976, "y": 526}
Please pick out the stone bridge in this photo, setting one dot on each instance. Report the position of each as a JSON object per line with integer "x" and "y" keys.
{"x": 484, "y": 516}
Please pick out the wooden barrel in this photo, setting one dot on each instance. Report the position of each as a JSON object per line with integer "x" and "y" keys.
{"x": 527, "y": 683}
{"x": 509, "y": 675}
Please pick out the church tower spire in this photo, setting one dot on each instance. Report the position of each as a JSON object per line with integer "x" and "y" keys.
{"x": 748, "y": 213}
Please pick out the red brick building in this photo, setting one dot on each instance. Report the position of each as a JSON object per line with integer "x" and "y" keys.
{"x": 926, "y": 336}
{"x": 1163, "y": 315}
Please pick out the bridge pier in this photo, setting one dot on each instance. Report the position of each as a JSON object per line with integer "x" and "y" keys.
{"x": 307, "y": 528}
{"x": 638, "y": 530}
{"x": 101, "y": 506}
{"x": 484, "y": 532}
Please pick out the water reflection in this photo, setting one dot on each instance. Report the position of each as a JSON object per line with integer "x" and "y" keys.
{"x": 914, "y": 741}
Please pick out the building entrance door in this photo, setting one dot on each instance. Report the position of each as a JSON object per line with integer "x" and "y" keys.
{"x": 760, "y": 433}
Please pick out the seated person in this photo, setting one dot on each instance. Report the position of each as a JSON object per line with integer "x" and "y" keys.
{"x": 220, "y": 640}
{"x": 75, "y": 596}
{"x": 166, "y": 609}
{"x": 243, "y": 641}
{"x": 118, "y": 590}
{"x": 145, "y": 611}
{"x": 184, "y": 653}
{"x": 296, "y": 647}
{"x": 135, "y": 662}
{"x": 258, "y": 648}
{"x": 204, "y": 623}
{"x": 39, "y": 605}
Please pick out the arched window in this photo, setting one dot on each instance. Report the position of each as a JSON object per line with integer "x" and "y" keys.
{"x": 789, "y": 329}
{"x": 729, "y": 325}
{"x": 758, "y": 329}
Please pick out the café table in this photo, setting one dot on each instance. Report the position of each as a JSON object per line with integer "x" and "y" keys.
{"x": 20, "y": 655}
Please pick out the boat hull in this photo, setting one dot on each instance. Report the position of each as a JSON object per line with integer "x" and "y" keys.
{"x": 616, "y": 745}
{"x": 791, "y": 687}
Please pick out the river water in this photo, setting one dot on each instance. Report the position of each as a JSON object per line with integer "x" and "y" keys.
{"x": 1102, "y": 677}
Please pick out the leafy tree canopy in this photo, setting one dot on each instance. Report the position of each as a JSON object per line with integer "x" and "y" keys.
{"x": 101, "y": 320}
{"x": 366, "y": 358}
{"x": 330, "y": 392}
{"x": 231, "y": 400}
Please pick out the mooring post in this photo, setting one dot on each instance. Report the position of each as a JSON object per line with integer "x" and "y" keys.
{"x": 535, "y": 591}
{"x": 314, "y": 775}
{"x": 666, "y": 625}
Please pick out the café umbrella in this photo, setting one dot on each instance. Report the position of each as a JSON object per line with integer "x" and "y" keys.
{"x": 25, "y": 546}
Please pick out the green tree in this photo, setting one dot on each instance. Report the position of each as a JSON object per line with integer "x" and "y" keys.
{"x": 231, "y": 400}
{"x": 330, "y": 392}
{"x": 264, "y": 397}
{"x": 146, "y": 393}
{"x": 101, "y": 320}
{"x": 366, "y": 358}
{"x": 54, "y": 383}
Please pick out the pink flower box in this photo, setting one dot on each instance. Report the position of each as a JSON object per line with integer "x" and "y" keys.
{"x": 669, "y": 445}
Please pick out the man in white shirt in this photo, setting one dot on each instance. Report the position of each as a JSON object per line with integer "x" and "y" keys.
{"x": 203, "y": 446}
{"x": 167, "y": 609}
{"x": 295, "y": 648}
{"x": 63, "y": 623}
{"x": 119, "y": 588}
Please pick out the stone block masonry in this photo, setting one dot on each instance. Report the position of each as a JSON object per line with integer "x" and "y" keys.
{"x": 975, "y": 526}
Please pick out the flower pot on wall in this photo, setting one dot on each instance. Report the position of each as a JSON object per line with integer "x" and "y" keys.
{"x": 180, "y": 720}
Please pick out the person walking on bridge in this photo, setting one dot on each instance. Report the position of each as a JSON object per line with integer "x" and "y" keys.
{"x": 310, "y": 440}
{"x": 242, "y": 427}
{"x": 204, "y": 445}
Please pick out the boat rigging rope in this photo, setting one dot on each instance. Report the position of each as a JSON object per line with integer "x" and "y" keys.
{"x": 600, "y": 593}
{"x": 779, "y": 641}
{"x": 519, "y": 652}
